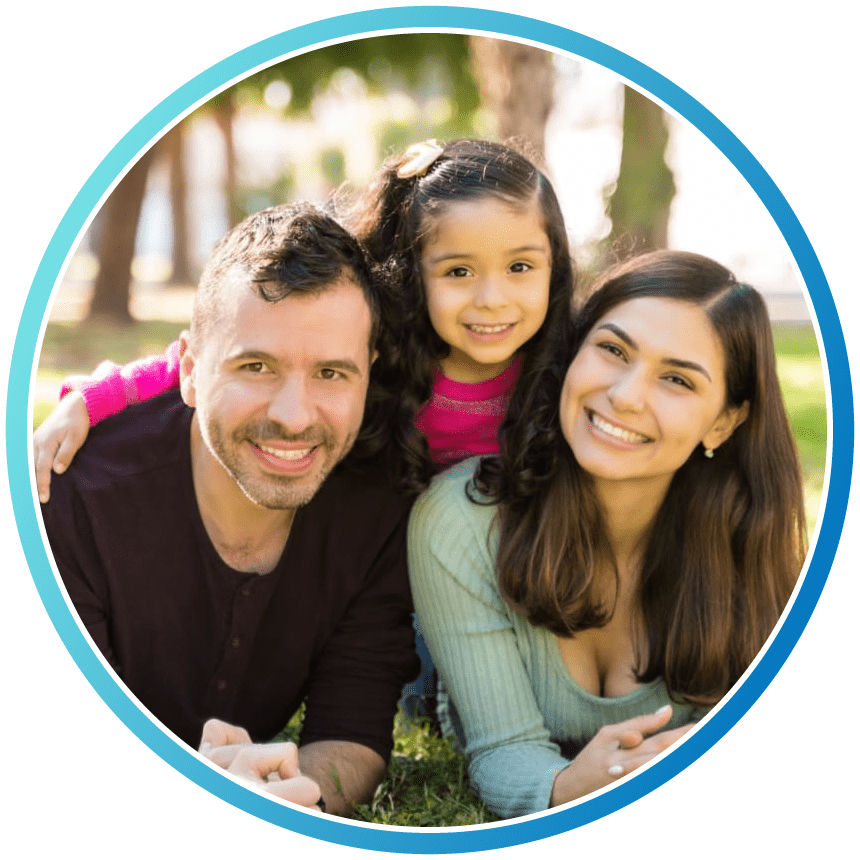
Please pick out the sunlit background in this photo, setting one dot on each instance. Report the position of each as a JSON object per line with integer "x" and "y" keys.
{"x": 629, "y": 177}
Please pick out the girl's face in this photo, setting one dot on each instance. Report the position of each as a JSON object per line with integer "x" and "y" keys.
{"x": 486, "y": 268}
{"x": 646, "y": 387}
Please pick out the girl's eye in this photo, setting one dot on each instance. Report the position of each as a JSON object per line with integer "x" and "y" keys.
{"x": 458, "y": 272}
{"x": 520, "y": 266}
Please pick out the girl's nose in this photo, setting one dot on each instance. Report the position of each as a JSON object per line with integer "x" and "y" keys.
{"x": 489, "y": 293}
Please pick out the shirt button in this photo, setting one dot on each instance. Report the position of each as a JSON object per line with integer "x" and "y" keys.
{"x": 222, "y": 685}
{"x": 246, "y": 591}
{"x": 235, "y": 641}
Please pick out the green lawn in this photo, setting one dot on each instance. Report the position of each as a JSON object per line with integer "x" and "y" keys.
{"x": 426, "y": 783}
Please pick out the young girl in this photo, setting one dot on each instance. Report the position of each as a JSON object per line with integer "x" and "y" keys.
{"x": 471, "y": 239}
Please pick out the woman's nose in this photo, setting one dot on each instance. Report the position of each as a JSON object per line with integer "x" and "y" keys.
{"x": 628, "y": 393}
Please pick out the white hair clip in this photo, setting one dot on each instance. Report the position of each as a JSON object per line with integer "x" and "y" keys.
{"x": 418, "y": 158}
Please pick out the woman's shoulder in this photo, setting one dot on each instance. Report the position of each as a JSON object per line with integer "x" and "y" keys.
{"x": 455, "y": 484}
{"x": 451, "y": 503}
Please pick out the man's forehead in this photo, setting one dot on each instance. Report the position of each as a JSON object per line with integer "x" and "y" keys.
{"x": 334, "y": 320}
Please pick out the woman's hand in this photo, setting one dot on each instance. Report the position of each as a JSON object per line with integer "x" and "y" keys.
{"x": 615, "y": 751}
{"x": 58, "y": 439}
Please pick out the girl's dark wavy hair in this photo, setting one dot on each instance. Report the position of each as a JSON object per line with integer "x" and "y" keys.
{"x": 728, "y": 541}
{"x": 392, "y": 219}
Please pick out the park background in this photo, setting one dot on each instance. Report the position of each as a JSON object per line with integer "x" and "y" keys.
{"x": 629, "y": 176}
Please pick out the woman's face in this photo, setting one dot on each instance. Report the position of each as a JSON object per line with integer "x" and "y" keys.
{"x": 646, "y": 387}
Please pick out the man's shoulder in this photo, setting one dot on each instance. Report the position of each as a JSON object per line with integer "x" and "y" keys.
{"x": 369, "y": 494}
{"x": 354, "y": 516}
{"x": 138, "y": 440}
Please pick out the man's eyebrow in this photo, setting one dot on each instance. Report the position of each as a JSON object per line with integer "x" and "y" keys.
{"x": 673, "y": 362}
{"x": 347, "y": 365}
{"x": 249, "y": 355}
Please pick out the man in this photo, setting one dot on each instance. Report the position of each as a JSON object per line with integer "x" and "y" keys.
{"x": 224, "y": 559}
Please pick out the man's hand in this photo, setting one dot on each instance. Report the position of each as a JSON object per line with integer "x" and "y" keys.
{"x": 58, "y": 439}
{"x": 272, "y": 766}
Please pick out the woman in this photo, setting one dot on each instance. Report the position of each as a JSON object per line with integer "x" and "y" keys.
{"x": 610, "y": 576}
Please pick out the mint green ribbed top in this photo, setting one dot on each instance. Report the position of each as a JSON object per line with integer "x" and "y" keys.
{"x": 513, "y": 695}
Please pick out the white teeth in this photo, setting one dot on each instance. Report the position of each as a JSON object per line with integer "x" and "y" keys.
{"x": 614, "y": 431}
{"x": 286, "y": 455}
{"x": 488, "y": 329}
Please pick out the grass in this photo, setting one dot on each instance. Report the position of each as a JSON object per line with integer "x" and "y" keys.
{"x": 426, "y": 785}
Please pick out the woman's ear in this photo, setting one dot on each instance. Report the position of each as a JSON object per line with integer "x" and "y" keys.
{"x": 729, "y": 420}
{"x": 186, "y": 370}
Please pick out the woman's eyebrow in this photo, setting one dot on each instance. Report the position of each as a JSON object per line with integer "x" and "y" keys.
{"x": 673, "y": 362}
{"x": 620, "y": 333}
{"x": 688, "y": 365}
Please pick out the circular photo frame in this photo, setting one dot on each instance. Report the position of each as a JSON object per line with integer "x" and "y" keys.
{"x": 369, "y": 23}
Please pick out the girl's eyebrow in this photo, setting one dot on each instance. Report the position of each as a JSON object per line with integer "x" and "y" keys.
{"x": 459, "y": 255}
{"x": 673, "y": 362}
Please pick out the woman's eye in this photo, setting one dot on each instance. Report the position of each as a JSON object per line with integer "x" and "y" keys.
{"x": 520, "y": 266}
{"x": 612, "y": 349}
{"x": 678, "y": 380}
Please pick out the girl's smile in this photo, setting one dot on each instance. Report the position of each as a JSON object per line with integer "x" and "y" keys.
{"x": 486, "y": 269}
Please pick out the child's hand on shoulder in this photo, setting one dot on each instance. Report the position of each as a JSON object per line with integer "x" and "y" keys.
{"x": 58, "y": 439}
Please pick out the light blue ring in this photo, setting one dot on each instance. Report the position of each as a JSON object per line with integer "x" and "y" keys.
{"x": 363, "y": 24}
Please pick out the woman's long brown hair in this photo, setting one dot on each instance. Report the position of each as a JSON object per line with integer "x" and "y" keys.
{"x": 729, "y": 539}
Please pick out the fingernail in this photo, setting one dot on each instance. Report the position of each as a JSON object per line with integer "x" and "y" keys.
{"x": 43, "y": 498}
{"x": 616, "y": 770}
{"x": 663, "y": 709}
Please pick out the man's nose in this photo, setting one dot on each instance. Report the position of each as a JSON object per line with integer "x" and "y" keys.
{"x": 292, "y": 406}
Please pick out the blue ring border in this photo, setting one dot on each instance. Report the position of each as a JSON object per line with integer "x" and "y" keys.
{"x": 357, "y": 25}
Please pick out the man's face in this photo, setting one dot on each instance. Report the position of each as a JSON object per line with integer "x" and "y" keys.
{"x": 280, "y": 387}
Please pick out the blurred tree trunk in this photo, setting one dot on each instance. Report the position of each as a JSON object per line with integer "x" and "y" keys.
{"x": 223, "y": 110}
{"x": 640, "y": 203}
{"x": 173, "y": 146}
{"x": 516, "y": 83}
{"x": 111, "y": 291}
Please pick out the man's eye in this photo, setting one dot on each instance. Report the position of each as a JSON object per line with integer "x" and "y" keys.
{"x": 330, "y": 373}
{"x": 253, "y": 367}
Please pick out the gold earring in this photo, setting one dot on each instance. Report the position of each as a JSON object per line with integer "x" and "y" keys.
{"x": 709, "y": 453}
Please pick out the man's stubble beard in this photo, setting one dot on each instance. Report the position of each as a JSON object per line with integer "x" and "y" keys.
{"x": 275, "y": 492}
